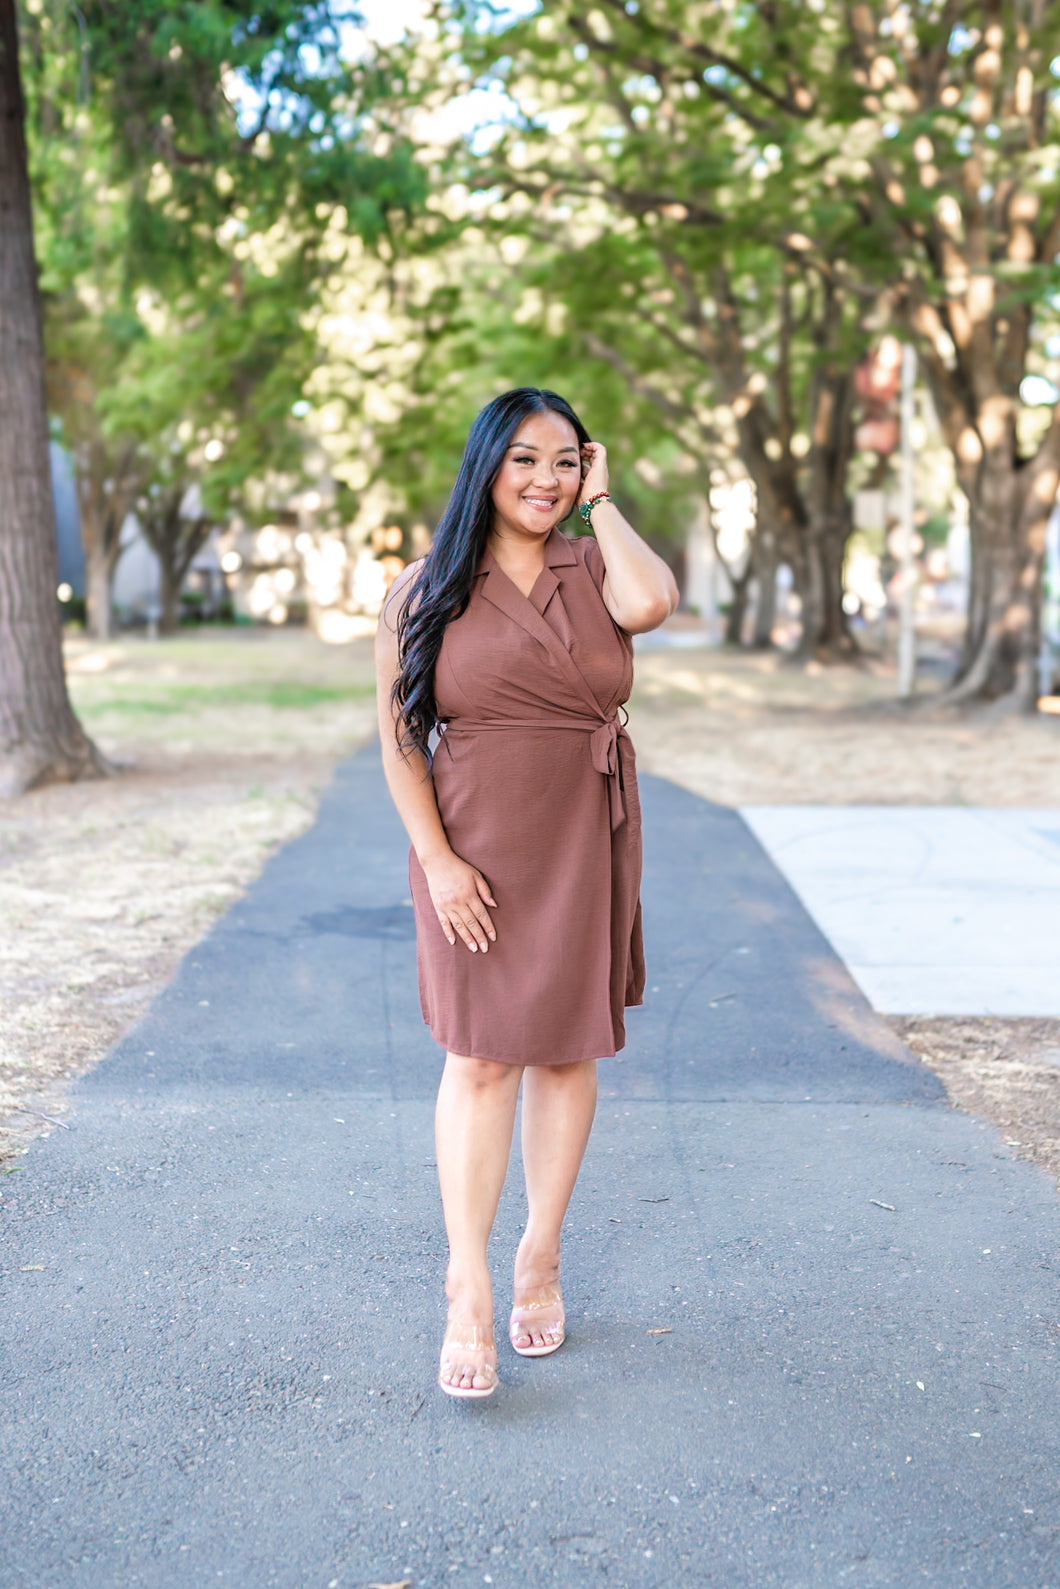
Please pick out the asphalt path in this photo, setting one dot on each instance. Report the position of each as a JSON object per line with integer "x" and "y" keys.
{"x": 813, "y": 1321}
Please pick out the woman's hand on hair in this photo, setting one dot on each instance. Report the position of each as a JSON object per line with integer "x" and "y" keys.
{"x": 460, "y": 894}
{"x": 594, "y": 463}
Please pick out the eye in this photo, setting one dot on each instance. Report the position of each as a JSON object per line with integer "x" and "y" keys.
{"x": 523, "y": 459}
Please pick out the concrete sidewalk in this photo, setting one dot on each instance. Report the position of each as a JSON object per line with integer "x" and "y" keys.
{"x": 814, "y": 1328}
{"x": 935, "y": 910}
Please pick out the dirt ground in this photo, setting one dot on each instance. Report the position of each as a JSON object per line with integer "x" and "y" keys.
{"x": 225, "y": 739}
{"x": 753, "y": 730}
{"x": 1008, "y": 1071}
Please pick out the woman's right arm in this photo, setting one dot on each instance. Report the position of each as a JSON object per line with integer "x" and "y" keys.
{"x": 458, "y": 890}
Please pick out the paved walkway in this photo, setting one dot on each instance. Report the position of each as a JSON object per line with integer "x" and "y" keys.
{"x": 814, "y": 1331}
{"x": 936, "y": 911}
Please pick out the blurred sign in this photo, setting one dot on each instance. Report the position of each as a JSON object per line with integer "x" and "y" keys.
{"x": 870, "y": 510}
{"x": 877, "y": 381}
{"x": 878, "y": 378}
{"x": 876, "y": 435}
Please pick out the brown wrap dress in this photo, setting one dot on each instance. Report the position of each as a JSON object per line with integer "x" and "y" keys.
{"x": 536, "y": 785}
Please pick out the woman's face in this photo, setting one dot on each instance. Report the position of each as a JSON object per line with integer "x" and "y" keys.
{"x": 540, "y": 477}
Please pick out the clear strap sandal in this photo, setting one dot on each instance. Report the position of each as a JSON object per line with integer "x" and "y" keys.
{"x": 538, "y": 1311}
{"x": 466, "y": 1349}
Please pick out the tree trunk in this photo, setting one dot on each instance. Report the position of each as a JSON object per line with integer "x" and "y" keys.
{"x": 834, "y": 640}
{"x": 105, "y": 485}
{"x": 170, "y": 581}
{"x": 765, "y": 567}
{"x": 175, "y": 541}
{"x": 1008, "y": 509}
{"x": 809, "y": 585}
{"x": 739, "y": 584}
{"x": 100, "y": 563}
{"x": 1010, "y": 497}
{"x": 832, "y": 405}
{"x": 737, "y": 610}
{"x": 40, "y": 738}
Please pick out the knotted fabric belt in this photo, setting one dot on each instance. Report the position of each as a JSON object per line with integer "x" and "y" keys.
{"x": 605, "y": 737}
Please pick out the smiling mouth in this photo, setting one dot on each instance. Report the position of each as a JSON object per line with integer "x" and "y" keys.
{"x": 543, "y": 504}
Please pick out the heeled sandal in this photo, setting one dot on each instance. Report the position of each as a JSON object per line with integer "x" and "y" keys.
{"x": 461, "y": 1342}
{"x": 528, "y": 1306}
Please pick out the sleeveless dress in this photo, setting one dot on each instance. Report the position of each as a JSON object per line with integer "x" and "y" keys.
{"x": 536, "y": 785}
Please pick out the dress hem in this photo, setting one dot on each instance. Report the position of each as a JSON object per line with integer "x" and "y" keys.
{"x": 506, "y": 1059}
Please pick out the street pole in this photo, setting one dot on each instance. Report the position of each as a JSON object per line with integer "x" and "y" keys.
{"x": 907, "y": 564}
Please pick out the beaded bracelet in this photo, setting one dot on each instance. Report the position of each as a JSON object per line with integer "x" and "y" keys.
{"x": 586, "y": 508}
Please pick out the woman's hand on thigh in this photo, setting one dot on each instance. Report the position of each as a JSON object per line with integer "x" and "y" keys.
{"x": 460, "y": 894}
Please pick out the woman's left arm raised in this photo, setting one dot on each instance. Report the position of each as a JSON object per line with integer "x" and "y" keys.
{"x": 639, "y": 589}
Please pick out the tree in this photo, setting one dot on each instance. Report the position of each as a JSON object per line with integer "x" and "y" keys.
{"x": 695, "y": 153}
{"x": 175, "y": 536}
{"x": 963, "y": 190}
{"x": 84, "y": 358}
{"x": 416, "y": 340}
{"x": 204, "y": 402}
{"x": 82, "y": 241}
{"x": 40, "y": 737}
{"x": 894, "y": 159}
{"x": 193, "y": 205}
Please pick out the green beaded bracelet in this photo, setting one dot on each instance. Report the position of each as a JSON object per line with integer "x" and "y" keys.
{"x": 586, "y": 508}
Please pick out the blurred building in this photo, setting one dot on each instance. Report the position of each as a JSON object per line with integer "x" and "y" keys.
{"x": 135, "y": 590}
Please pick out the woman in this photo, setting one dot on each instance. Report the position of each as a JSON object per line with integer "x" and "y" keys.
{"x": 514, "y": 642}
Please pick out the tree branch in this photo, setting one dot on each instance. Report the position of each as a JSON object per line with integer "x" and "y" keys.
{"x": 679, "y": 414}
{"x": 700, "y": 51}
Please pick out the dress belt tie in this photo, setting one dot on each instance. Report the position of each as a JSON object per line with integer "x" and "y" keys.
{"x": 605, "y": 737}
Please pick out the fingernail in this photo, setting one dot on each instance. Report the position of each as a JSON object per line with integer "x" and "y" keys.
{"x": 493, "y": 937}
{"x": 474, "y": 948}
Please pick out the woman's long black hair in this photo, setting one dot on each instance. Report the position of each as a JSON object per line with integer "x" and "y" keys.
{"x": 441, "y": 589}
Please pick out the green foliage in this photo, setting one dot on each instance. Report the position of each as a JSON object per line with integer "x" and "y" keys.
{"x": 666, "y": 162}
{"x": 465, "y": 338}
{"x": 691, "y": 217}
{"x": 196, "y": 168}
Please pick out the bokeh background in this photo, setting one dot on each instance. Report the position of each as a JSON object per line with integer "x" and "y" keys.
{"x": 285, "y": 257}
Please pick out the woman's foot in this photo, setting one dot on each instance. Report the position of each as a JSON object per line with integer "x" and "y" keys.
{"x": 469, "y": 1352}
{"x": 538, "y": 1323}
{"x": 469, "y": 1360}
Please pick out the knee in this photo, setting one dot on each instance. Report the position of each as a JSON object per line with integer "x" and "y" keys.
{"x": 581, "y": 1073}
{"x": 481, "y": 1075}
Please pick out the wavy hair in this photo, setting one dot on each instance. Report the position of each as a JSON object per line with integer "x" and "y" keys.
{"x": 441, "y": 589}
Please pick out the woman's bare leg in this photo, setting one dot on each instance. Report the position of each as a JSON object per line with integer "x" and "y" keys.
{"x": 473, "y": 1125}
{"x": 559, "y": 1102}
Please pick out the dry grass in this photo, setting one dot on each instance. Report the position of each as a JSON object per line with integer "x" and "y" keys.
{"x": 1005, "y": 1070}
{"x": 752, "y": 730}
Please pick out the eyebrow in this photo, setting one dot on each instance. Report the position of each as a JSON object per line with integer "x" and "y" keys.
{"x": 533, "y": 447}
